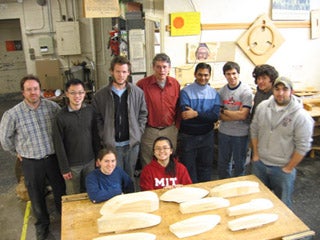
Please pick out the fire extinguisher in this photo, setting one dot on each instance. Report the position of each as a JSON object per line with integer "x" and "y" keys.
{"x": 114, "y": 43}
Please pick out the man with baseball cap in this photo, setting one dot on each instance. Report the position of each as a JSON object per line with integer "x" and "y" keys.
{"x": 281, "y": 135}
{"x": 285, "y": 81}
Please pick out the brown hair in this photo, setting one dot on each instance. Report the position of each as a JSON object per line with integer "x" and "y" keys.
{"x": 121, "y": 61}
{"x": 267, "y": 70}
{"x": 29, "y": 77}
{"x": 105, "y": 151}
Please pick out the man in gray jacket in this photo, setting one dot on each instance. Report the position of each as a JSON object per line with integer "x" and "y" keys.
{"x": 121, "y": 115}
{"x": 281, "y": 135}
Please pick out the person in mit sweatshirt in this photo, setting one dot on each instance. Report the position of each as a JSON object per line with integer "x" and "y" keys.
{"x": 164, "y": 171}
{"x": 108, "y": 180}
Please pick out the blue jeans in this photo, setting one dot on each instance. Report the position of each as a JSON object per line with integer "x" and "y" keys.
{"x": 232, "y": 149}
{"x": 127, "y": 158}
{"x": 281, "y": 183}
{"x": 196, "y": 153}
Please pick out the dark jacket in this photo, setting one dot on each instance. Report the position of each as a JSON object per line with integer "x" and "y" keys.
{"x": 75, "y": 137}
{"x": 103, "y": 102}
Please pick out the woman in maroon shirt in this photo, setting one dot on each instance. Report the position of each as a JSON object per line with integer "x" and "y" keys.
{"x": 164, "y": 171}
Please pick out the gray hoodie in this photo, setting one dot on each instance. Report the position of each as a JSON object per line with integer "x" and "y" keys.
{"x": 280, "y": 133}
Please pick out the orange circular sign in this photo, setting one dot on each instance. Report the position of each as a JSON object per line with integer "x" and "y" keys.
{"x": 178, "y": 22}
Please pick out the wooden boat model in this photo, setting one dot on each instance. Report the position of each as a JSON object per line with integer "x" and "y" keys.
{"x": 146, "y": 201}
{"x": 129, "y": 236}
{"x": 254, "y": 205}
{"x": 235, "y": 189}
{"x": 183, "y": 194}
{"x": 194, "y": 225}
{"x": 204, "y": 204}
{"x": 126, "y": 221}
{"x": 252, "y": 221}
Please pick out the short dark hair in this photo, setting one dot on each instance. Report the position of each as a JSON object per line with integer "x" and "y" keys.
{"x": 105, "y": 151}
{"x": 202, "y": 65}
{"x": 29, "y": 77}
{"x": 74, "y": 81}
{"x": 121, "y": 61}
{"x": 229, "y": 66}
{"x": 267, "y": 70}
{"x": 162, "y": 57}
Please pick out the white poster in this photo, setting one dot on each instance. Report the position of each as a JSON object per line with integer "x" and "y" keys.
{"x": 101, "y": 8}
{"x": 137, "y": 50}
{"x": 290, "y": 10}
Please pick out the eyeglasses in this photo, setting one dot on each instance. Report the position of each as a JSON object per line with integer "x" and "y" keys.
{"x": 160, "y": 149}
{"x": 76, "y": 93}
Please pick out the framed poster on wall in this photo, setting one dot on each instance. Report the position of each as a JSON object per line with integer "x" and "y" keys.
{"x": 101, "y": 8}
{"x": 290, "y": 9}
{"x": 210, "y": 52}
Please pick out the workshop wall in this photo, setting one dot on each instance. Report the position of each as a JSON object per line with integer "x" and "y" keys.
{"x": 36, "y": 25}
{"x": 12, "y": 60}
{"x": 296, "y": 58}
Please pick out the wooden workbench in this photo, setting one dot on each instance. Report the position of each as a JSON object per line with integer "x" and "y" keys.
{"x": 312, "y": 105}
{"x": 79, "y": 218}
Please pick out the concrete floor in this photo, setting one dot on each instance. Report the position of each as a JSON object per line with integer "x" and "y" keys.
{"x": 306, "y": 204}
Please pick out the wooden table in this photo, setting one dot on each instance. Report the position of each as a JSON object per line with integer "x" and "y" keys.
{"x": 79, "y": 218}
{"x": 312, "y": 105}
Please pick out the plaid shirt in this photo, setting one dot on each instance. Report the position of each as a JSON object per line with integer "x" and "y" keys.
{"x": 28, "y": 131}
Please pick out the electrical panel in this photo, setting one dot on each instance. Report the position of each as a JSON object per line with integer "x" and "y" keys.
{"x": 46, "y": 45}
{"x": 68, "y": 38}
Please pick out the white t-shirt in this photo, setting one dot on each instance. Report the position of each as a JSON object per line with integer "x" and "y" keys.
{"x": 234, "y": 99}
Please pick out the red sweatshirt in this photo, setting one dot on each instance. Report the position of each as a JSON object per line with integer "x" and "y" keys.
{"x": 153, "y": 176}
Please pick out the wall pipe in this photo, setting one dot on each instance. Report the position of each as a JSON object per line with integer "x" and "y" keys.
{"x": 93, "y": 50}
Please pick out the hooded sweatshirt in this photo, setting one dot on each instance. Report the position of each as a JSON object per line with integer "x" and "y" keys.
{"x": 154, "y": 176}
{"x": 281, "y": 132}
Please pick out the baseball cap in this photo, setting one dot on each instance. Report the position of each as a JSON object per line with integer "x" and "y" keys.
{"x": 285, "y": 81}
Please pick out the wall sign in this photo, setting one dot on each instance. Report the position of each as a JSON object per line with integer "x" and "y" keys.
{"x": 185, "y": 23}
{"x": 101, "y": 8}
{"x": 15, "y": 45}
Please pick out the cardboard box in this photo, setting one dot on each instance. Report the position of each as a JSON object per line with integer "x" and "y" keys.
{"x": 48, "y": 71}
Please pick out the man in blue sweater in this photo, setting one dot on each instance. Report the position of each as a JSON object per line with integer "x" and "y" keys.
{"x": 200, "y": 106}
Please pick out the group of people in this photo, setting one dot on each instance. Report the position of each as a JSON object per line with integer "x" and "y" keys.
{"x": 94, "y": 148}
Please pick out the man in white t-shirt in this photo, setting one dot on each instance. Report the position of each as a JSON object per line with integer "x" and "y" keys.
{"x": 236, "y": 103}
